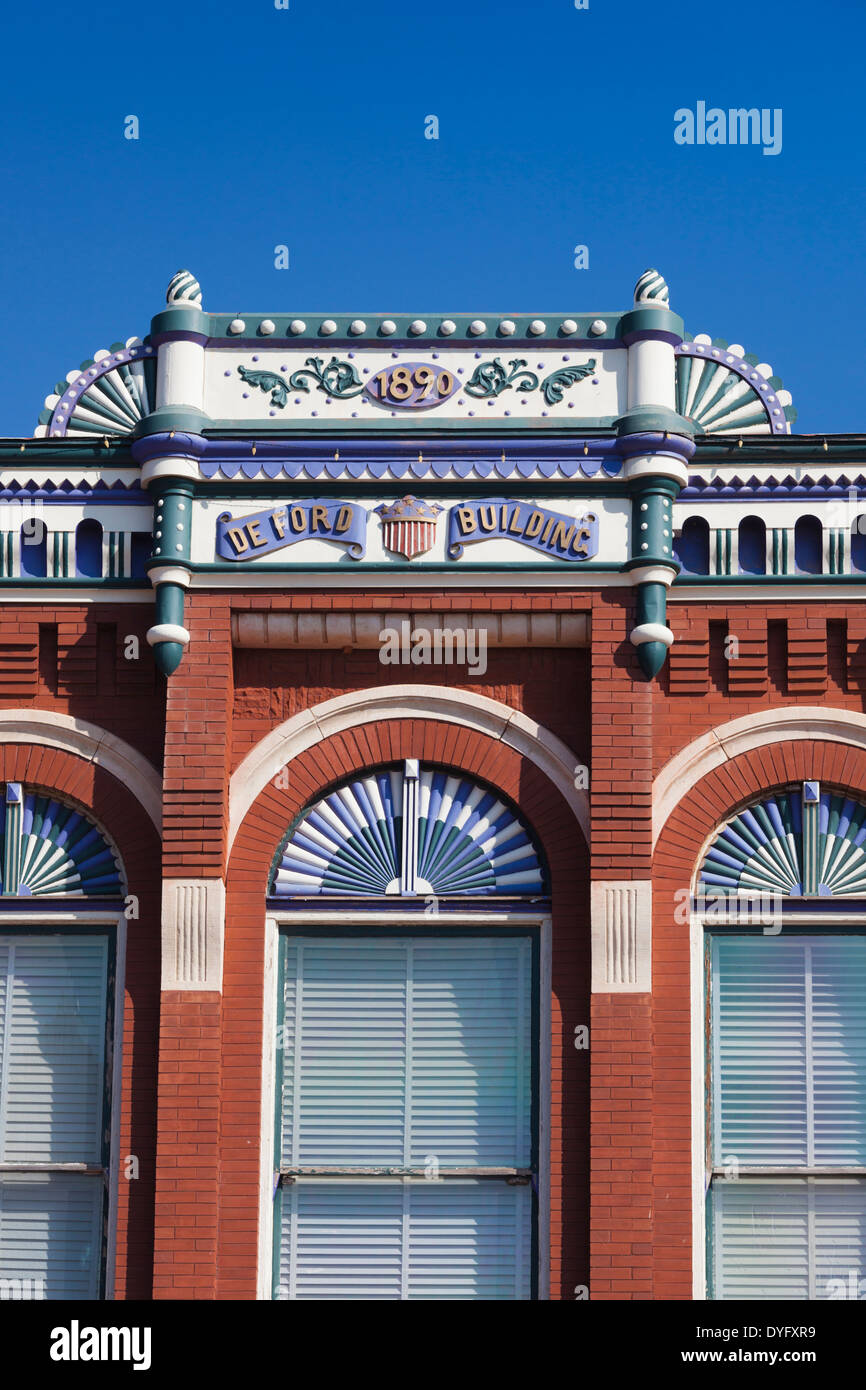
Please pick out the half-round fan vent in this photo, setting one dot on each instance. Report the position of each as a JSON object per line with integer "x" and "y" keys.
{"x": 793, "y": 844}
{"x": 412, "y": 833}
{"x": 53, "y": 850}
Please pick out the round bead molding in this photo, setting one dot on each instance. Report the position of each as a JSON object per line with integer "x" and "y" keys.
{"x": 417, "y": 327}
{"x": 327, "y": 327}
{"x": 477, "y": 327}
{"x": 387, "y": 326}
{"x": 447, "y": 327}
{"x": 237, "y": 326}
{"x": 507, "y": 327}
{"x": 568, "y": 326}
{"x": 357, "y": 327}
{"x": 266, "y": 327}
{"x": 297, "y": 326}
{"x": 537, "y": 327}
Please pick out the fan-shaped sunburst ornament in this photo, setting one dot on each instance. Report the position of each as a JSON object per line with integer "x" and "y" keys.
{"x": 797, "y": 843}
{"x": 51, "y": 849}
{"x": 725, "y": 390}
{"x": 109, "y": 394}
{"x": 410, "y": 833}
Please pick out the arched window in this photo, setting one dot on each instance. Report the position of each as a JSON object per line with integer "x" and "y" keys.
{"x": 858, "y": 544}
{"x": 414, "y": 1025}
{"x": 57, "y": 997}
{"x": 785, "y": 1027}
{"x": 141, "y": 551}
{"x": 34, "y": 548}
{"x": 809, "y": 545}
{"x": 752, "y": 546}
{"x": 88, "y": 549}
{"x": 692, "y": 546}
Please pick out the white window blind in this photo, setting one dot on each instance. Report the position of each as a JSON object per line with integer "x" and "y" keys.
{"x": 788, "y": 1239}
{"x": 789, "y": 1055}
{"x": 788, "y": 1094}
{"x": 53, "y": 999}
{"x": 414, "y": 1054}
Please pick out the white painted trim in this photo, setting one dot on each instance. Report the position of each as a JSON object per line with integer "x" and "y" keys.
{"x": 264, "y": 1282}
{"x": 435, "y": 702}
{"x": 193, "y": 933}
{"x": 116, "y": 1087}
{"x": 736, "y": 589}
{"x": 167, "y": 632}
{"x": 727, "y": 741}
{"x": 698, "y": 1107}
{"x": 650, "y": 632}
{"x": 405, "y": 925}
{"x": 48, "y": 729}
{"x": 56, "y": 593}
{"x": 169, "y": 574}
{"x": 621, "y": 915}
{"x": 360, "y": 577}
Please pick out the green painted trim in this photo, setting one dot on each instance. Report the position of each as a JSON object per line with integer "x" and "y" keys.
{"x": 653, "y": 419}
{"x": 644, "y": 319}
{"x": 534, "y": 425}
{"x": 187, "y": 419}
{"x": 360, "y": 568}
{"x": 220, "y": 491}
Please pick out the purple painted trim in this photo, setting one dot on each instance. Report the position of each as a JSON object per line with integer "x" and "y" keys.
{"x": 677, "y": 446}
{"x": 771, "y": 489}
{"x": 65, "y": 407}
{"x": 170, "y": 444}
{"x": 764, "y": 392}
{"x": 179, "y": 335}
{"x": 75, "y": 492}
{"x": 655, "y": 335}
{"x": 418, "y": 459}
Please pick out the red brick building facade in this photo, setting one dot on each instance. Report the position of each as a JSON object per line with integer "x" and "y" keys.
{"x": 627, "y": 706}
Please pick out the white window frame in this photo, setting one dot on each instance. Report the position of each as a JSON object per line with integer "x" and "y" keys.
{"x": 699, "y": 924}
{"x": 380, "y": 924}
{"x": 67, "y": 920}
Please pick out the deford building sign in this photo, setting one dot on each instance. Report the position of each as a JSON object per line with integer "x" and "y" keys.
{"x": 409, "y": 527}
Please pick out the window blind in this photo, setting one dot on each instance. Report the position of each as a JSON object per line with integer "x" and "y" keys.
{"x": 406, "y": 1053}
{"x": 53, "y": 1001}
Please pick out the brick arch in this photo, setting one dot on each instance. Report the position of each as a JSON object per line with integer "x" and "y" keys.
{"x": 132, "y": 831}
{"x": 705, "y": 807}
{"x": 310, "y": 775}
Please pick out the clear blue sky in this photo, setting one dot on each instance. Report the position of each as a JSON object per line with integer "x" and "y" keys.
{"x": 305, "y": 126}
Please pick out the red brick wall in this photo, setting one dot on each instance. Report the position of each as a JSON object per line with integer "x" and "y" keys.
{"x": 132, "y": 831}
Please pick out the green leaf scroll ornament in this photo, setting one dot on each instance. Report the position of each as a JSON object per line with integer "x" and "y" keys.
{"x": 554, "y": 385}
{"x": 491, "y": 378}
{"x": 267, "y": 381}
{"x": 338, "y": 379}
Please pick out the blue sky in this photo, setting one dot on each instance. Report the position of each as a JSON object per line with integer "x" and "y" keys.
{"x": 305, "y": 127}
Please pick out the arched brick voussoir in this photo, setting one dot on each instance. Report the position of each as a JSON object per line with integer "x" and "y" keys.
{"x": 468, "y": 751}
{"x": 725, "y": 789}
